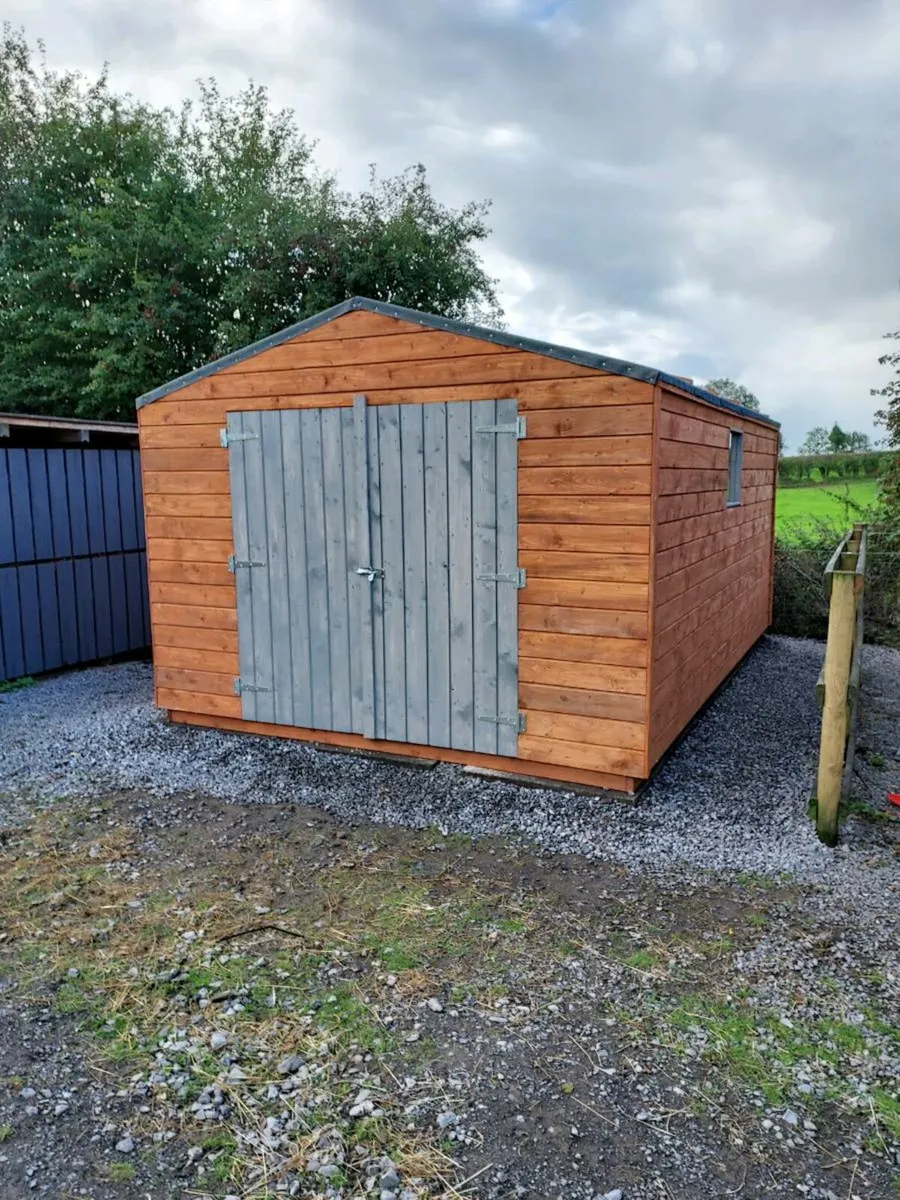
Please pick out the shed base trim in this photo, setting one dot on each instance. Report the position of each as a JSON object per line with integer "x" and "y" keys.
{"x": 492, "y": 762}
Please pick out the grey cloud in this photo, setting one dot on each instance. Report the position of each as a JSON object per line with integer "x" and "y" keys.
{"x": 724, "y": 174}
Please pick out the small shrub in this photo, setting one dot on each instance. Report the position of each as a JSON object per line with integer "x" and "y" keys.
{"x": 801, "y": 604}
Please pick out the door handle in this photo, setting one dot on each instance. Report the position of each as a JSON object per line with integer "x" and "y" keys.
{"x": 372, "y": 573}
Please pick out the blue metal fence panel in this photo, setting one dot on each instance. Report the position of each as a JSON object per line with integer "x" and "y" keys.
{"x": 73, "y": 573}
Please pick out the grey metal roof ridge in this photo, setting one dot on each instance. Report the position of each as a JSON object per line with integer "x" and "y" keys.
{"x": 584, "y": 358}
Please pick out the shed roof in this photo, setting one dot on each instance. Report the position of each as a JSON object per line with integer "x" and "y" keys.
{"x": 585, "y": 358}
{"x": 36, "y": 429}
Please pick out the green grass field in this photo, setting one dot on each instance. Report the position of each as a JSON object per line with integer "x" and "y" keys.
{"x": 825, "y": 502}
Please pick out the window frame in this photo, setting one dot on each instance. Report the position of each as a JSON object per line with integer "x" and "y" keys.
{"x": 735, "y": 467}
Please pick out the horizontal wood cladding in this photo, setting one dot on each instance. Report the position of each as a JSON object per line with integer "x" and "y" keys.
{"x": 209, "y": 683}
{"x": 218, "y": 640}
{"x": 588, "y": 675}
{"x": 218, "y": 661}
{"x": 581, "y": 648}
{"x": 197, "y": 714}
{"x": 585, "y": 564}
{"x": 190, "y": 529}
{"x": 592, "y": 731}
{"x": 585, "y": 451}
{"x": 712, "y": 562}
{"x": 624, "y": 540}
{"x": 690, "y": 577}
{"x": 677, "y": 533}
{"x": 585, "y": 510}
{"x": 615, "y": 706}
{"x": 484, "y": 368}
{"x": 584, "y": 481}
{"x": 163, "y": 570}
{"x": 303, "y": 353}
{"x": 710, "y": 666}
{"x": 593, "y": 621}
{"x": 578, "y": 593}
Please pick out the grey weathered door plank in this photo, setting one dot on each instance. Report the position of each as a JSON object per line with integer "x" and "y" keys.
{"x": 241, "y": 537}
{"x": 260, "y": 703}
{"x": 377, "y": 588}
{"x": 298, "y": 583}
{"x": 507, "y": 593}
{"x": 412, "y": 470}
{"x": 484, "y": 554}
{"x": 459, "y": 488}
{"x": 317, "y": 567}
{"x": 274, "y": 554}
{"x": 338, "y": 567}
{"x": 359, "y": 543}
{"x": 392, "y": 549}
{"x": 437, "y": 573}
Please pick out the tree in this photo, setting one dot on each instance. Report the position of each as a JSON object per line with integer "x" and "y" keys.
{"x": 736, "y": 392}
{"x": 138, "y": 243}
{"x": 837, "y": 439}
{"x": 816, "y": 441}
{"x": 889, "y": 417}
{"x": 858, "y": 443}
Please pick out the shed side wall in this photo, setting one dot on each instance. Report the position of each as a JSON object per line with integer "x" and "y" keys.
{"x": 584, "y": 521}
{"x": 712, "y": 582}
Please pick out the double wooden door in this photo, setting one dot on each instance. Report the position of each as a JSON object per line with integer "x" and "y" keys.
{"x": 376, "y": 560}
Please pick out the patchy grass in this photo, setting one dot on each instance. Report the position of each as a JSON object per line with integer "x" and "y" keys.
{"x": 154, "y": 943}
{"x": 120, "y": 1172}
{"x": 15, "y": 685}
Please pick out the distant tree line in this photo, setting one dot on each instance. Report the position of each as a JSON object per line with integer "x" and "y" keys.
{"x": 819, "y": 468}
{"x": 822, "y": 441}
{"x": 137, "y": 243}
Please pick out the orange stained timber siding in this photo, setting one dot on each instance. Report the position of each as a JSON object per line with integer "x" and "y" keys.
{"x": 713, "y": 565}
{"x": 613, "y": 472}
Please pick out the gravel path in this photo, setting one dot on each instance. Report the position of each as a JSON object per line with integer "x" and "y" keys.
{"x": 687, "y": 997}
{"x": 732, "y": 797}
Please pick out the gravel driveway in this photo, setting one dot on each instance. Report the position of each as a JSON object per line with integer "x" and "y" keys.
{"x": 241, "y": 967}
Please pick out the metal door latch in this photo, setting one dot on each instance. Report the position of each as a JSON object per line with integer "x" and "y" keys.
{"x": 371, "y": 573}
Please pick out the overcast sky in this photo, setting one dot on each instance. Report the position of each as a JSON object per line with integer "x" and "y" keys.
{"x": 707, "y": 186}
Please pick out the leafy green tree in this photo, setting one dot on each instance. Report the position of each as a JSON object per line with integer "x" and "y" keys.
{"x": 858, "y": 443}
{"x": 736, "y": 392}
{"x": 816, "y": 441}
{"x": 889, "y": 417}
{"x": 837, "y": 439}
{"x": 138, "y": 243}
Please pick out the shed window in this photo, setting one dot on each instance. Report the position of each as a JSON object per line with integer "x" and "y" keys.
{"x": 735, "y": 462}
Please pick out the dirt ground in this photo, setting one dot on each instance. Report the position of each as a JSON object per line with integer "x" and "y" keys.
{"x": 206, "y": 1000}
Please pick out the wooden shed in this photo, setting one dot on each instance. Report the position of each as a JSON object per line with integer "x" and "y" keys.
{"x": 389, "y": 530}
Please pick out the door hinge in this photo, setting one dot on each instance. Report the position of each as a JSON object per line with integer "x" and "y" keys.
{"x": 240, "y": 687}
{"x": 234, "y": 563}
{"x": 517, "y": 428}
{"x": 518, "y": 722}
{"x": 226, "y": 438}
{"x": 517, "y": 577}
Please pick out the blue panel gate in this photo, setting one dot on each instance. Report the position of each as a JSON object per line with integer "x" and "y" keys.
{"x": 73, "y": 572}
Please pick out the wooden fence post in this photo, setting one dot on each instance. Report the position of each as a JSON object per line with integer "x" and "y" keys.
{"x": 838, "y": 658}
